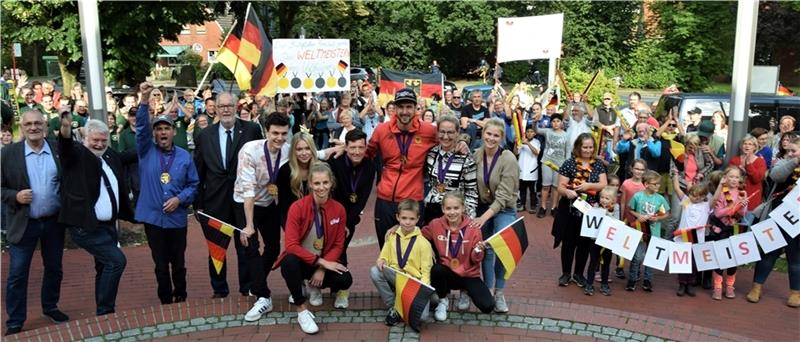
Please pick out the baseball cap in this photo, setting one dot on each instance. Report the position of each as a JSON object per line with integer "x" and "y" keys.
{"x": 695, "y": 110}
{"x": 163, "y": 119}
{"x": 706, "y": 129}
{"x": 405, "y": 95}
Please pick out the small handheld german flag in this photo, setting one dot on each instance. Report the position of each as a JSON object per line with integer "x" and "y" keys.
{"x": 411, "y": 297}
{"x": 218, "y": 236}
{"x": 509, "y": 245}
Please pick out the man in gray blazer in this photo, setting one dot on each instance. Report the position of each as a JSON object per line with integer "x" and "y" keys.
{"x": 30, "y": 190}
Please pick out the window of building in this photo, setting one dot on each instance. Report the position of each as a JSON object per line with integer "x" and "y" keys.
{"x": 200, "y": 29}
{"x": 186, "y": 29}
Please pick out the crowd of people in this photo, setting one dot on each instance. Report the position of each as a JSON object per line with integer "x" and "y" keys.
{"x": 447, "y": 175}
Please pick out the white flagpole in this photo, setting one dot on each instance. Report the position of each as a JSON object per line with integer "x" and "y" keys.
{"x": 203, "y": 81}
{"x": 410, "y": 276}
{"x": 501, "y": 230}
{"x": 214, "y": 218}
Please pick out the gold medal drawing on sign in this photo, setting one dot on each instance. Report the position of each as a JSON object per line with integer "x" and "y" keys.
{"x": 272, "y": 189}
{"x": 353, "y": 198}
{"x": 164, "y": 177}
{"x": 318, "y": 244}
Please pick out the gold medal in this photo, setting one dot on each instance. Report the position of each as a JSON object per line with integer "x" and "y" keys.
{"x": 353, "y": 198}
{"x": 164, "y": 177}
{"x": 272, "y": 189}
{"x": 441, "y": 188}
{"x": 403, "y": 159}
{"x": 454, "y": 263}
{"x": 318, "y": 244}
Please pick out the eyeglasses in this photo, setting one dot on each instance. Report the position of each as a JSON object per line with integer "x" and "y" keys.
{"x": 607, "y": 98}
{"x": 656, "y": 184}
{"x": 447, "y": 132}
{"x": 225, "y": 106}
{"x": 456, "y": 97}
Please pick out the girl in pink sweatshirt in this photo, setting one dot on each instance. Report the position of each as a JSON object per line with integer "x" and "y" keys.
{"x": 729, "y": 208}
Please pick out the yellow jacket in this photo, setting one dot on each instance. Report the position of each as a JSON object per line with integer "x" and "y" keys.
{"x": 420, "y": 260}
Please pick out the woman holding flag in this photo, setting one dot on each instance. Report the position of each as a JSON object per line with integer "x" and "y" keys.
{"x": 497, "y": 192}
{"x": 582, "y": 176}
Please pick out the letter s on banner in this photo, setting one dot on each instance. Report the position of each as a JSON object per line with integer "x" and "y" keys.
{"x": 744, "y": 248}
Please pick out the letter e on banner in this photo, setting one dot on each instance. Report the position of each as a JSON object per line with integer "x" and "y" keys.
{"x": 608, "y": 233}
{"x": 591, "y": 222}
{"x": 744, "y": 248}
{"x": 768, "y": 235}
{"x": 787, "y": 217}
{"x": 704, "y": 256}
{"x": 657, "y": 253}
{"x": 680, "y": 257}
{"x": 724, "y": 253}
{"x": 626, "y": 241}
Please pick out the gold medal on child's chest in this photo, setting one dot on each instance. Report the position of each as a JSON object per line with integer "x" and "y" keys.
{"x": 318, "y": 244}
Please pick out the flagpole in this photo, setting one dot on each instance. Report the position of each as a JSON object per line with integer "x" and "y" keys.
{"x": 502, "y": 230}
{"x": 203, "y": 81}
{"x": 214, "y": 218}
{"x": 410, "y": 276}
{"x": 236, "y": 66}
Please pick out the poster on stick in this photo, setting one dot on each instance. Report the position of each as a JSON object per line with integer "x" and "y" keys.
{"x": 312, "y": 65}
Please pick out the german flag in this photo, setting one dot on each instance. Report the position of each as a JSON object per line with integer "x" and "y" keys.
{"x": 248, "y": 55}
{"x": 519, "y": 123}
{"x": 677, "y": 150}
{"x": 411, "y": 297}
{"x": 423, "y": 84}
{"x": 509, "y": 244}
{"x": 218, "y": 236}
{"x": 783, "y": 90}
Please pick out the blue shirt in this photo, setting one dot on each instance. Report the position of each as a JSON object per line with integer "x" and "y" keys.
{"x": 653, "y": 145}
{"x": 153, "y": 194}
{"x": 43, "y": 178}
{"x": 370, "y": 123}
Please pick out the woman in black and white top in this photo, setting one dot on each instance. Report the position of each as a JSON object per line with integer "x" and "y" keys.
{"x": 447, "y": 170}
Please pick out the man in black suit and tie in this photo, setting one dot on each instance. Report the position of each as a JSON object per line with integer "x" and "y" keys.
{"x": 30, "y": 185}
{"x": 94, "y": 198}
{"x": 216, "y": 158}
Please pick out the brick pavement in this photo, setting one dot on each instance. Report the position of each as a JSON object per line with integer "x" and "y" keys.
{"x": 562, "y": 313}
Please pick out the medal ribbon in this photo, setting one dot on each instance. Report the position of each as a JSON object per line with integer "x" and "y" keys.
{"x": 318, "y": 223}
{"x": 454, "y": 250}
{"x": 443, "y": 170}
{"x": 356, "y": 176}
{"x": 166, "y": 164}
{"x": 272, "y": 171}
{"x": 404, "y": 143}
{"x": 487, "y": 173}
{"x": 402, "y": 258}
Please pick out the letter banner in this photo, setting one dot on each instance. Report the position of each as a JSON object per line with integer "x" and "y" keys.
{"x": 608, "y": 234}
{"x": 704, "y": 256}
{"x": 724, "y": 254}
{"x": 514, "y": 37}
{"x": 680, "y": 258}
{"x": 787, "y": 217}
{"x": 591, "y": 222}
{"x": 768, "y": 235}
{"x": 657, "y": 253}
{"x": 744, "y": 248}
{"x": 312, "y": 65}
{"x": 626, "y": 242}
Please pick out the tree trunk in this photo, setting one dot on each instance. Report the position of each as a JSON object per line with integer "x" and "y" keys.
{"x": 69, "y": 75}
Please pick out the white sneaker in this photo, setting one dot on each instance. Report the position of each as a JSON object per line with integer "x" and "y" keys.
{"x": 307, "y": 324}
{"x": 441, "y": 310}
{"x": 463, "y": 301}
{"x": 291, "y": 299}
{"x": 262, "y": 306}
{"x": 314, "y": 296}
{"x": 342, "y": 299}
{"x": 500, "y": 305}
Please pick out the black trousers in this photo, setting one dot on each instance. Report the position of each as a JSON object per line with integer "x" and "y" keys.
{"x": 168, "y": 248}
{"x": 219, "y": 282}
{"x": 386, "y": 218}
{"x": 599, "y": 256}
{"x": 574, "y": 247}
{"x": 443, "y": 279}
{"x": 343, "y": 257}
{"x": 294, "y": 271}
{"x": 527, "y": 188}
{"x": 266, "y": 222}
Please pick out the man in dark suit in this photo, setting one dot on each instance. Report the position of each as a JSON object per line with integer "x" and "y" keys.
{"x": 30, "y": 185}
{"x": 95, "y": 197}
{"x": 216, "y": 158}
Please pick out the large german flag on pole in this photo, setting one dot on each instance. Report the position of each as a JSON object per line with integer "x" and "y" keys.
{"x": 423, "y": 84}
{"x": 218, "y": 236}
{"x": 411, "y": 297}
{"x": 509, "y": 244}
{"x": 248, "y": 55}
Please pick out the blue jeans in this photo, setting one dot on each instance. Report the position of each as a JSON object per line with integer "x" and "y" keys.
{"x": 109, "y": 263}
{"x": 764, "y": 267}
{"x": 636, "y": 262}
{"x": 51, "y": 235}
{"x": 493, "y": 272}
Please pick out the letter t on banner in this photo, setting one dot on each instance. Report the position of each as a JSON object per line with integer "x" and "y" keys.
{"x": 680, "y": 257}
{"x": 704, "y": 256}
{"x": 744, "y": 248}
{"x": 769, "y": 236}
{"x": 657, "y": 254}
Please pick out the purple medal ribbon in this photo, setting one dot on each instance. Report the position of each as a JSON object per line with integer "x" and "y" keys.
{"x": 356, "y": 175}
{"x": 459, "y": 242}
{"x": 488, "y": 173}
{"x": 272, "y": 171}
{"x": 317, "y": 222}
{"x": 403, "y": 143}
{"x": 443, "y": 171}
{"x": 166, "y": 164}
{"x": 402, "y": 258}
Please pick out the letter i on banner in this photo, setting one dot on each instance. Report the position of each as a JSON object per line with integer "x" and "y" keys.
{"x": 744, "y": 248}
{"x": 768, "y": 235}
{"x": 590, "y": 225}
{"x": 680, "y": 257}
{"x": 657, "y": 254}
{"x": 724, "y": 254}
{"x": 787, "y": 216}
{"x": 704, "y": 256}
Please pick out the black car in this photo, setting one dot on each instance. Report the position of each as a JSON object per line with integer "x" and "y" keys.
{"x": 762, "y": 106}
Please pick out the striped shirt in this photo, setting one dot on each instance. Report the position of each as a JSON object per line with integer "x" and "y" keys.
{"x": 461, "y": 177}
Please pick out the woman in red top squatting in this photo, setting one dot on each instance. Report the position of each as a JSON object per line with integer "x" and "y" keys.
{"x": 313, "y": 242}
{"x": 460, "y": 252}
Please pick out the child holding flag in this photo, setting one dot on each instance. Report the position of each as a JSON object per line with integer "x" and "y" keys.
{"x": 694, "y": 215}
{"x": 649, "y": 208}
{"x": 599, "y": 255}
{"x": 405, "y": 250}
{"x": 729, "y": 209}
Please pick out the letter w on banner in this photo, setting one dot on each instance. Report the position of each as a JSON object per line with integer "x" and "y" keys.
{"x": 592, "y": 221}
